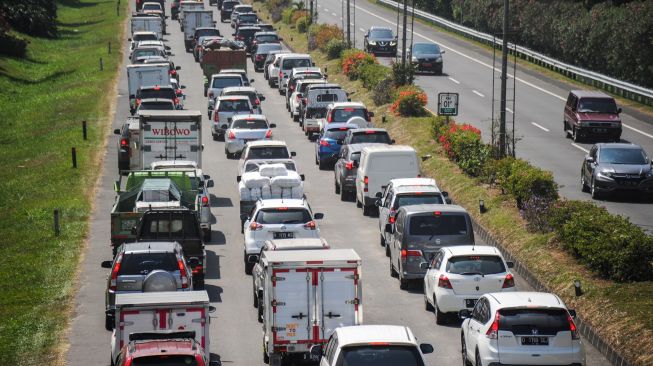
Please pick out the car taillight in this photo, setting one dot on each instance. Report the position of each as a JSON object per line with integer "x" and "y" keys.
{"x": 304, "y": 101}
{"x": 128, "y": 362}
{"x": 183, "y": 274}
{"x": 509, "y": 281}
{"x": 216, "y": 116}
{"x": 124, "y": 142}
{"x": 205, "y": 201}
{"x": 292, "y": 87}
{"x": 173, "y": 72}
{"x": 197, "y": 269}
{"x": 493, "y": 331}
{"x": 410, "y": 253}
{"x": 391, "y": 216}
{"x": 572, "y": 328}
{"x": 280, "y": 75}
{"x": 232, "y": 135}
{"x": 257, "y": 101}
{"x": 324, "y": 143}
{"x": 254, "y": 226}
{"x": 330, "y": 117}
{"x": 268, "y": 134}
{"x": 366, "y": 182}
{"x": 176, "y": 100}
{"x": 259, "y": 57}
{"x": 199, "y": 360}
{"x": 138, "y": 102}
{"x": 349, "y": 165}
{"x": 310, "y": 225}
{"x": 113, "y": 285}
{"x": 444, "y": 282}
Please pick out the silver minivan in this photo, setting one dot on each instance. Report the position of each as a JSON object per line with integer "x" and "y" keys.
{"x": 419, "y": 232}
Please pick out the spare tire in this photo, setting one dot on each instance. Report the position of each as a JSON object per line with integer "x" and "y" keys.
{"x": 159, "y": 280}
{"x": 358, "y": 121}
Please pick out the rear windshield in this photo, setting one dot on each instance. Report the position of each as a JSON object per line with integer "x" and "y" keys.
{"x": 156, "y": 106}
{"x": 207, "y": 32}
{"x": 417, "y": 199}
{"x": 325, "y": 98}
{"x": 229, "y": 5}
{"x": 225, "y": 82}
{"x": 336, "y": 134}
{"x": 622, "y": 156}
{"x": 283, "y": 216}
{"x": 268, "y": 38}
{"x": 145, "y": 37}
{"x": 475, "y": 265}
{"x": 267, "y": 47}
{"x": 244, "y": 9}
{"x": 533, "y": 321}
{"x": 251, "y": 95}
{"x": 380, "y": 356}
{"x": 247, "y": 32}
{"x": 152, "y": 93}
{"x": 316, "y": 113}
{"x": 256, "y": 124}
{"x": 344, "y": 114}
{"x": 296, "y": 62}
{"x": 269, "y": 152}
{"x": 432, "y": 224}
{"x": 248, "y": 18}
{"x": 253, "y": 167}
{"x": 233, "y": 106}
{"x": 141, "y": 53}
{"x": 165, "y": 360}
{"x": 151, "y": 7}
{"x": 144, "y": 263}
{"x": 597, "y": 105}
{"x": 373, "y": 137}
{"x": 161, "y": 226}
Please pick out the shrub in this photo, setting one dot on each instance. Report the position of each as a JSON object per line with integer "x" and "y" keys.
{"x": 299, "y": 14}
{"x": 403, "y": 74}
{"x": 353, "y": 60}
{"x": 607, "y": 244}
{"x": 383, "y": 92}
{"x": 324, "y": 33}
{"x": 372, "y": 74}
{"x": 303, "y": 24}
{"x": 286, "y": 15}
{"x": 463, "y": 144}
{"x": 276, "y": 8}
{"x": 409, "y": 102}
{"x": 524, "y": 181}
{"x": 335, "y": 47}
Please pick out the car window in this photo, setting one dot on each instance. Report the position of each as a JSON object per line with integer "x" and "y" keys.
{"x": 167, "y": 93}
{"x": 228, "y": 5}
{"x": 622, "y": 156}
{"x": 268, "y": 38}
{"x": 206, "y": 33}
{"x": 248, "y": 18}
{"x": 289, "y": 64}
{"x": 475, "y": 264}
{"x": 451, "y": 224}
{"x": 338, "y": 134}
{"x": 144, "y": 263}
{"x": 381, "y": 33}
{"x": 145, "y": 37}
{"x": 269, "y": 152}
{"x": 374, "y": 137}
{"x": 426, "y": 48}
{"x": 156, "y": 106}
{"x": 165, "y": 360}
{"x": 315, "y": 113}
{"x": 267, "y": 47}
{"x": 381, "y": 355}
{"x": 355, "y": 156}
{"x": 327, "y": 97}
{"x": 597, "y": 105}
{"x": 344, "y": 114}
{"x": 247, "y": 32}
{"x": 151, "y": 7}
{"x": 237, "y": 105}
{"x": 437, "y": 260}
{"x": 250, "y": 124}
{"x": 417, "y": 199}
{"x": 225, "y": 82}
{"x": 162, "y": 226}
{"x": 283, "y": 215}
{"x": 525, "y": 320}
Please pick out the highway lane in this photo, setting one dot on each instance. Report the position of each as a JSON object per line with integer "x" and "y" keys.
{"x": 236, "y": 335}
{"x": 538, "y": 110}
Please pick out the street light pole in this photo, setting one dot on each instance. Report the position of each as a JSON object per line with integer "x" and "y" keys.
{"x": 348, "y": 24}
{"x": 504, "y": 77}
{"x": 403, "y": 52}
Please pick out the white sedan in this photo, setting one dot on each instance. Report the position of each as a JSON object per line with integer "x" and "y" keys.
{"x": 245, "y": 128}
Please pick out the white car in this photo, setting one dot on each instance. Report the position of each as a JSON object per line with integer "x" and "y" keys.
{"x": 277, "y": 219}
{"x": 265, "y": 150}
{"x": 458, "y": 275}
{"x": 243, "y": 129}
{"x": 273, "y": 69}
{"x": 225, "y": 109}
{"x": 372, "y": 345}
{"x": 520, "y": 328}
{"x": 141, "y": 36}
{"x": 297, "y": 95}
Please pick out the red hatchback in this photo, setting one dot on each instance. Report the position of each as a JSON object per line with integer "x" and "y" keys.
{"x": 592, "y": 114}
{"x": 163, "y": 352}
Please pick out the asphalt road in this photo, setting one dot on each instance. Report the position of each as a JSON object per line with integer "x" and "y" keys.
{"x": 537, "y": 111}
{"x": 236, "y": 335}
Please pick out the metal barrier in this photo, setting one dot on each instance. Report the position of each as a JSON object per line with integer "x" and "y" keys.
{"x": 595, "y": 79}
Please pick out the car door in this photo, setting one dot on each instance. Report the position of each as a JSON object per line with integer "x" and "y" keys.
{"x": 384, "y": 208}
{"x": 475, "y": 325}
{"x": 589, "y": 167}
{"x": 433, "y": 273}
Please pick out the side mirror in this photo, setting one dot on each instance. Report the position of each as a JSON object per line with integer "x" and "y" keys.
{"x": 209, "y": 183}
{"x": 168, "y": 53}
{"x": 238, "y": 178}
{"x": 273, "y": 125}
{"x": 448, "y": 201}
{"x": 510, "y": 264}
{"x": 244, "y": 217}
{"x": 445, "y": 193}
{"x": 302, "y": 177}
{"x": 106, "y": 264}
{"x": 292, "y": 153}
{"x": 312, "y": 63}
{"x": 464, "y": 314}
{"x": 261, "y": 97}
{"x": 389, "y": 228}
{"x": 251, "y": 80}
{"x": 371, "y": 114}
{"x": 572, "y": 312}
{"x": 318, "y": 216}
{"x": 129, "y": 39}
{"x": 116, "y": 131}
{"x": 300, "y": 95}
{"x": 178, "y": 68}
{"x": 212, "y": 309}
{"x": 426, "y": 348}
{"x": 206, "y": 177}
{"x": 589, "y": 159}
{"x": 167, "y": 48}
{"x": 316, "y": 352}
{"x": 424, "y": 265}
{"x": 182, "y": 87}
{"x": 442, "y": 52}
{"x": 378, "y": 195}
{"x": 134, "y": 230}
{"x": 392, "y": 141}
{"x": 280, "y": 39}
{"x": 618, "y": 109}
{"x": 233, "y": 34}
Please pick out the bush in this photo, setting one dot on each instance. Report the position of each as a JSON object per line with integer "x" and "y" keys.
{"x": 403, "y": 75}
{"x": 335, "y": 47}
{"x": 34, "y": 17}
{"x": 372, "y": 74}
{"x": 607, "y": 244}
{"x": 353, "y": 60}
{"x": 383, "y": 92}
{"x": 322, "y": 34}
{"x": 303, "y": 24}
{"x": 276, "y": 8}
{"x": 299, "y": 14}
{"x": 463, "y": 144}
{"x": 286, "y": 15}
{"x": 522, "y": 181}
{"x": 409, "y": 102}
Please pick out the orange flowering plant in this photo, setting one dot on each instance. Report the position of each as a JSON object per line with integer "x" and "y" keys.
{"x": 353, "y": 60}
{"x": 409, "y": 102}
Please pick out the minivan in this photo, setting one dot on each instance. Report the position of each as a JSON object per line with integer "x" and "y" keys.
{"x": 419, "y": 232}
{"x": 378, "y": 165}
{"x": 591, "y": 114}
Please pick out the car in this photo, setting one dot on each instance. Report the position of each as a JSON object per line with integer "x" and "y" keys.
{"x": 372, "y": 345}
{"x": 286, "y": 64}
{"x": 146, "y": 51}
{"x": 262, "y": 37}
{"x": 520, "y": 328}
{"x": 145, "y": 266}
{"x": 241, "y": 72}
{"x": 152, "y": 7}
{"x": 255, "y": 98}
{"x": 141, "y": 36}
{"x": 227, "y": 8}
{"x": 155, "y": 104}
{"x": 219, "y": 82}
{"x": 367, "y": 136}
{"x": 225, "y": 109}
{"x": 243, "y": 129}
{"x": 426, "y": 56}
{"x": 343, "y": 111}
{"x": 260, "y": 52}
{"x": 457, "y": 276}
{"x": 300, "y": 73}
{"x": 245, "y": 34}
{"x": 316, "y": 99}
{"x": 204, "y": 32}
{"x": 277, "y": 219}
{"x": 418, "y": 232}
{"x": 327, "y": 148}
{"x": 380, "y": 40}
{"x": 124, "y": 147}
{"x": 152, "y": 43}
{"x": 265, "y": 150}
{"x": 243, "y": 19}
{"x": 296, "y": 98}
{"x": 270, "y": 70}
{"x": 612, "y": 167}
{"x": 591, "y": 114}
{"x": 175, "y": 349}
{"x": 159, "y": 92}
{"x": 345, "y": 171}
{"x": 239, "y": 9}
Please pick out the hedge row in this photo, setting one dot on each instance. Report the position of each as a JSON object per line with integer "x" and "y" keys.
{"x": 33, "y": 17}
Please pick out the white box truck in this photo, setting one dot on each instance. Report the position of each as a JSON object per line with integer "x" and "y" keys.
{"x": 195, "y": 19}
{"x": 169, "y": 135}
{"x": 307, "y": 294}
{"x": 145, "y": 75}
{"x": 150, "y": 23}
{"x": 161, "y": 312}
{"x": 186, "y": 5}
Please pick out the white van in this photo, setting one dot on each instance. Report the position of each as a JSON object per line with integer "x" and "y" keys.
{"x": 285, "y": 64}
{"x": 378, "y": 165}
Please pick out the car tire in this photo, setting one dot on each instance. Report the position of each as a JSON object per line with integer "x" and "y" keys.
{"x": 248, "y": 268}
{"x": 440, "y": 317}
{"x": 266, "y": 357}
{"x": 593, "y": 191}
{"x": 478, "y": 362}
{"x": 109, "y": 322}
{"x": 367, "y": 210}
{"x": 427, "y": 304}
{"x": 336, "y": 186}
{"x": 381, "y": 240}
{"x": 344, "y": 195}
{"x": 575, "y": 135}
{"x": 358, "y": 203}
{"x": 403, "y": 283}
{"x": 295, "y": 118}
{"x": 207, "y": 235}
{"x": 463, "y": 351}
{"x": 393, "y": 272}
{"x": 255, "y": 299}
{"x": 583, "y": 183}
{"x": 387, "y": 250}
{"x": 322, "y": 165}
{"x": 259, "y": 313}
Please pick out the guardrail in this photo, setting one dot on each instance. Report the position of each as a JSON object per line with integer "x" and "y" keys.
{"x": 611, "y": 85}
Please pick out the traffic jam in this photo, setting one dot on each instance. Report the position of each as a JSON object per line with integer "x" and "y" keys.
{"x": 308, "y": 296}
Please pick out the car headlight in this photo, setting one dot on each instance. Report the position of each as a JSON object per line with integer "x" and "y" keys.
{"x": 372, "y": 43}
{"x": 439, "y": 59}
{"x": 393, "y": 43}
{"x": 607, "y": 172}
{"x": 414, "y": 59}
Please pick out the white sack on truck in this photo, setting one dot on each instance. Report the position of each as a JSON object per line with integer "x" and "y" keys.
{"x": 244, "y": 192}
{"x": 255, "y": 193}
{"x": 266, "y": 192}
{"x": 287, "y": 181}
{"x": 272, "y": 170}
{"x": 254, "y": 180}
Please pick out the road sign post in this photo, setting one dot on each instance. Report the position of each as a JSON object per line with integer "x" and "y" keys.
{"x": 447, "y": 105}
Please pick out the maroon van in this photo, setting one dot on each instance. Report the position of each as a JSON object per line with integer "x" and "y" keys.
{"x": 592, "y": 115}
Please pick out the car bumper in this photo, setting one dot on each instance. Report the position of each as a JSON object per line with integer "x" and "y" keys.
{"x": 328, "y": 156}
{"x": 449, "y": 302}
{"x": 490, "y": 355}
{"x": 369, "y": 201}
{"x": 219, "y": 128}
{"x": 412, "y": 271}
{"x": 428, "y": 66}
{"x": 599, "y": 132}
{"x": 235, "y": 146}
{"x": 348, "y": 184}
{"x": 382, "y": 49}
{"x": 608, "y": 184}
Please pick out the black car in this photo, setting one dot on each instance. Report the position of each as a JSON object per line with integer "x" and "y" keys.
{"x": 265, "y": 27}
{"x": 226, "y": 9}
{"x": 204, "y": 32}
{"x": 611, "y": 167}
{"x": 260, "y": 53}
{"x": 426, "y": 57}
{"x": 245, "y": 34}
{"x": 265, "y": 37}
{"x": 245, "y": 19}
{"x": 380, "y": 40}
{"x": 174, "y": 9}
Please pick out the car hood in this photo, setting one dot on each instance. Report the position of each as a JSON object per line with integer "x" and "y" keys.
{"x": 426, "y": 55}
{"x": 382, "y": 39}
{"x": 598, "y": 117}
{"x": 626, "y": 168}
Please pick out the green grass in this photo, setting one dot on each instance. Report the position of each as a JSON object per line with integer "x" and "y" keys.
{"x": 44, "y": 99}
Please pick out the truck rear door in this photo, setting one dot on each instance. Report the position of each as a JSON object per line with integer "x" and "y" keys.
{"x": 292, "y": 306}
{"x": 337, "y": 304}
{"x": 170, "y": 140}
{"x": 163, "y": 319}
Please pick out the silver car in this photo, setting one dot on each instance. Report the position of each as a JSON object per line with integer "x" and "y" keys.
{"x": 145, "y": 267}
{"x": 217, "y": 83}
{"x": 254, "y": 97}
{"x": 243, "y": 129}
{"x": 225, "y": 109}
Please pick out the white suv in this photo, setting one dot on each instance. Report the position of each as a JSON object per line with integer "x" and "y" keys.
{"x": 457, "y": 276}
{"x": 520, "y": 328}
{"x": 372, "y": 345}
{"x": 277, "y": 219}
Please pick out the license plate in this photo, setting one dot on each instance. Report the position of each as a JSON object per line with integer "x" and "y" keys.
{"x": 427, "y": 64}
{"x": 535, "y": 341}
{"x": 600, "y": 130}
{"x": 470, "y": 303}
{"x": 281, "y": 235}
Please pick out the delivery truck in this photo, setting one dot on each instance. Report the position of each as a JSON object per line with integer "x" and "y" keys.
{"x": 147, "y": 23}
{"x": 215, "y": 60}
{"x": 195, "y": 19}
{"x": 307, "y": 294}
{"x": 145, "y": 75}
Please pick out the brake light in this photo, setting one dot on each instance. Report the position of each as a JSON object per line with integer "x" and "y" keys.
{"x": 232, "y": 135}
{"x": 410, "y": 253}
{"x": 157, "y": 87}
{"x": 182, "y": 270}
{"x": 324, "y": 143}
{"x": 304, "y": 101}
{"x": 349, "y": 165}
{"x": 268, "y": 134}
{"x": 366, "y": 182}
{"x": 205, "y": 201}
{"x": 343, "y": 128}
{"x": 259, "y": 57}
{"x": 197, "y": 269}
{"x": 176, "y": 100}
{"x": 572, "y": 328}
{"x": 254, "y": 226}
{"x": 280, "y": 75}
{"x": 173, "y": 72}
{"x": 509, "y": 281}
{"x": 113, "y": 285}
{"x": 391, "y": 216}
{"x": 199, "y": 360}
{"x": 216, "y": 116}
{"x": 370, "y": 132}
{"x": 138, "y": 102}
{"x": 124, "y": 142}
{"x": 257, "y": 101}
{"x": 493, "y": 331}
{"x": 348, "y": 109}
{"x": 330, "y": 117}
{"x": 310, "y": 225}
{"x": 367, "y": 117}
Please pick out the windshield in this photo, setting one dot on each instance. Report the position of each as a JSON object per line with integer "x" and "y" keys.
{"x": 150, "y": 6}
{"x": 145, "y": 37}
{"x": 248, "y": 32}
{"x": 268, "y": 38}
{"x": 156, "y": 106}
{"x": 165, "y": 360}
{"x": 373, "y": 137}
{"x": 228, "y": 5}
{"x": 344, "y": 114}
{"x": 268, "y": 152}
{"x": 153, "y": 93}
{"x": 296, "y": 62}
{"x": 283, "y": 215}
{"x": 250, "y": 124}
{"x": 238, "y": 105}
{"x": 597, "y": 105}
{"x": 622, "y": 156}
{"x": 417, "y": 199}
{"x": 315, "y": 113}
{"x": 381, "y": 33}
{"x": 225, "y": 82}
{"x": 207, "y": 32}
{"x": 475, "y": 264}
{"x": 248, "y": 18}
{"x": 267, "y": 47}
{"x": 426, "y": 48}
{"x": 438, "y": 225}
{"x": 338, "y": 134}
{"x": 144, "y": 263}
{"x": 380, "y": 356}
{"x": 526, "y": 321}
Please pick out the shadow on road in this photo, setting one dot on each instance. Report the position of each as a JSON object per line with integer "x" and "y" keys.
{"x": 212, "y": 265}
{"x": 215, "y": 292}
{"x": 221, "y": 201}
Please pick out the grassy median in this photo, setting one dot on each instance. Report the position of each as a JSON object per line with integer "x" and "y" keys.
{"x": 45, "y": 97}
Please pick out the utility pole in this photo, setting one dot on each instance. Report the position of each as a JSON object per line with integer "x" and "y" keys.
{"x": 504, "y": 77}
{"x": 348, "y": 24}
{"x": 403, "y": 52}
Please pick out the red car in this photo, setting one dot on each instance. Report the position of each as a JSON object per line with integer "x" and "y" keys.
{"x": 149, "y": 349}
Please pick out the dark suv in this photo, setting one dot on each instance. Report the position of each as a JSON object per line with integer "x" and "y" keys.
{"x": 616, "y": 166}
{"x": 245, "y": 34}
{"x": 426, "y": 57}
{"x": 227, "y": 8}
{"x": 380, "y": 40}
{"x": 157, "y": 92}
{"x": 591, "y": 114}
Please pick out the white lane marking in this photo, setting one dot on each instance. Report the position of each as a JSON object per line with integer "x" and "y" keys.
{"x": 495, "y": 69}
{"x": 454, "y": 80}
{"x": 509, "y": 110}
{"x": 477, "y": 93}
{"x": 327, "y": 10}
{"x": 540, "y": 127}
{"x": 361, "y": 29}
{"x": 335, "y": 15}
{"x": 580, "y": 148}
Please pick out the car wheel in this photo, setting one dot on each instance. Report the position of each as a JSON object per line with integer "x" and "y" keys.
{"x": 478, "y": 359}
{"x": 255, "y": 298}
{"x": 593, "y": 191}
{"x": 109, "y": 321}
{"x": 295, "y": 118}
{"x": 344, "y": 195}
{"x": 382, "y": 240}
{"x": 403, "y": 283}
{"x": 367, "y": 210}
{"x": 336, "y": 187}
{"x": 575, "y": 135}
{"x": 248, "y": 268}
{"x": 564, "y": 128}
{"x": 322, "y": 165}
{"x": 358, "y": 203}
{"x": 583, "y": 183}
{"x": 259, "y": 313}
{"x": 207, "y": 235}
{"x": 439, "y": 316}
{"x": 387, "y": 250}
{"x": 427, "y": 304}
{"x": 463, "y": 351}
{"x": 266, "y": 357}
{"x": 393, "y": 272}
